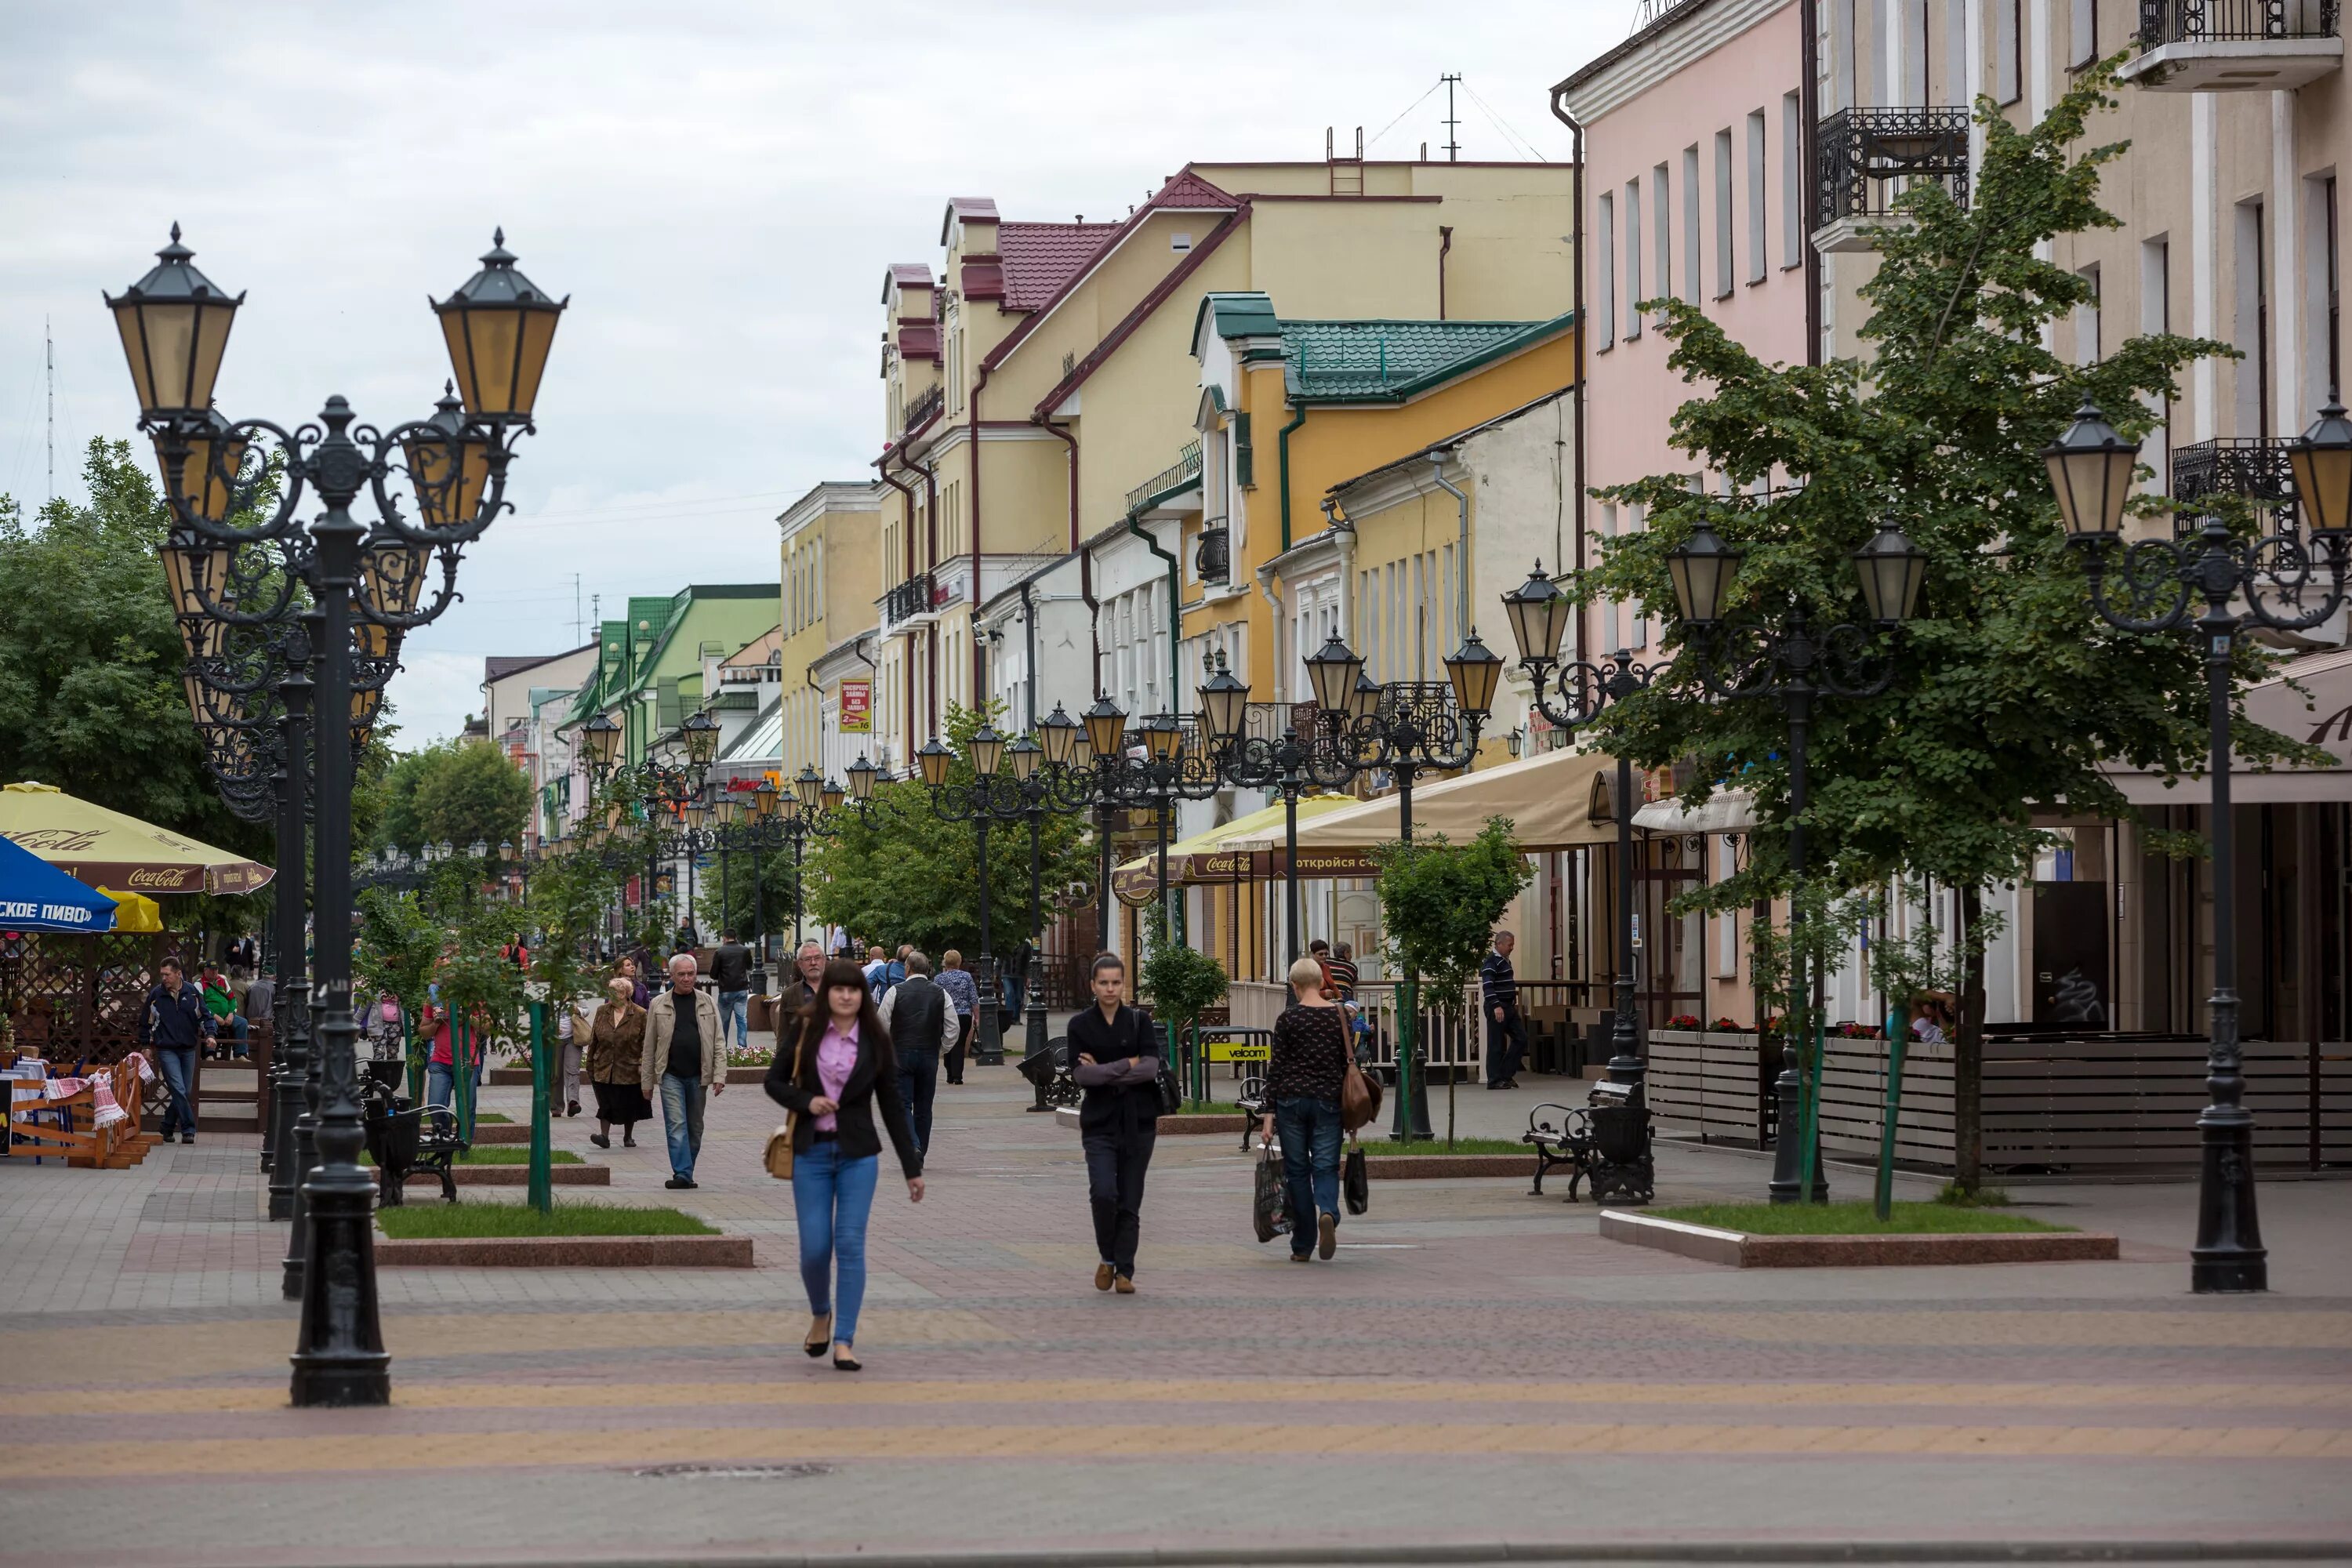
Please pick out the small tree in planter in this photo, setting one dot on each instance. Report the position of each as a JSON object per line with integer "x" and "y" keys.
{"x": 1181, "y": 985}
{"x": 398, "y": 949}
{"x": 1908, "y": 969}
{"x": 1439, "y": 906}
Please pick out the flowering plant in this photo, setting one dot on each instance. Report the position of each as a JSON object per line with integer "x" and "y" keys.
{"x": 1685, "y": 1021}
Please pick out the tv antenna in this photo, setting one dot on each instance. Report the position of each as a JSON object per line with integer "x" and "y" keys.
{"x": 1453, "y": 137}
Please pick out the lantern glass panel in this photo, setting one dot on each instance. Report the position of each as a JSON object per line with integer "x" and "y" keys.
{"x": 1475, "y": 672}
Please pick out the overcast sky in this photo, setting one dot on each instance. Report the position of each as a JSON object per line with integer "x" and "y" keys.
{"x": 718, "y": 188}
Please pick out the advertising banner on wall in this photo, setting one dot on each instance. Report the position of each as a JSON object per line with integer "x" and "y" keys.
{"x": 857, "y": 707}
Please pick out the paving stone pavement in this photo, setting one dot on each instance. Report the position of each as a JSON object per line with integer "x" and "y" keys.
{"x": 1476, "y": 1372}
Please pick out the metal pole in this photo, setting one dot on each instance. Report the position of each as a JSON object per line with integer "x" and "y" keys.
{"x": 2229, "y": 1256}
{"x": 991, "y": 1050}
{"x": 299, "y": 699}
{"x": 1409, "y": 1121}
{"x": 1795, "y": 1168}
{"x": 1625, "y": 1064}
{"x": 339, "y": 1357}
{"x": 1034, "y": 980}
{"x": 541, "y": 1192}
{"x": 1291, "y": 864}
{"x": 289, "y": 1055}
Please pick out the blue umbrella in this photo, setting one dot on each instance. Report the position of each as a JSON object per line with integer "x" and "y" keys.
{"x": 37, "y": 896}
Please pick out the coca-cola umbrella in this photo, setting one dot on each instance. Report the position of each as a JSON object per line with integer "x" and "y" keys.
{"x": 101, "y": 847}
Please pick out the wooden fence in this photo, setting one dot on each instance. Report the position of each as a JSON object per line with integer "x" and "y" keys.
{"x": 2094, "y": 1107}
{"x": 77, "y": 998}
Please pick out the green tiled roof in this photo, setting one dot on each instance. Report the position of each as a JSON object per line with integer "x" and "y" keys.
{"x": 1387, "y": 362}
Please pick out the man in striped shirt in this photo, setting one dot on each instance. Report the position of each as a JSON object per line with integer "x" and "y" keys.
{"x": 1506, "y": 1037}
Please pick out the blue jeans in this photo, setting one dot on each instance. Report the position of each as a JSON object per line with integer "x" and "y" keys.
{"x": 1311, "y": 1134}
{"x": 178, "y": 1066}
{"x": 238, "y": 1029}
{"x": 918, "y": 1084}
{"x": 681, "y": 1102}
{"x": 735, "y": 1004}
{"x": 441, "y": 1092}
{"x": 831, "y": 1200}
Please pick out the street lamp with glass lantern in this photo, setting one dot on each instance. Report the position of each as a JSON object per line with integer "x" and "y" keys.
{"x": 2286, "y": 581}
{"x": 1793, "y": 663}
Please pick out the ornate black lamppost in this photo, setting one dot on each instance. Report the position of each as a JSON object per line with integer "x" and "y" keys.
{"x": 1793, "y": 663}
{"x": 1572, "y": 695}
{"x": 989, "y": 797}
{"x": 2223, "y": 587}
{"x": 242, "y": 564}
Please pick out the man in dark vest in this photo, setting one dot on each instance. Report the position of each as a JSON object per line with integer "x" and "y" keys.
{"x": 922, "y": 1022}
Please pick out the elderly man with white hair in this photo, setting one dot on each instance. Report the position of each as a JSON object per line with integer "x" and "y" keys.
{"x": 684, "y": 1053}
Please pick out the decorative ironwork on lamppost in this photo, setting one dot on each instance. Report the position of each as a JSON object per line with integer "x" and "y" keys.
{"x": 2223, "y": 586}
{"x": 245, "y": 560}
{"x": 1793, "y": 664}
{"x": 989, "y": 797}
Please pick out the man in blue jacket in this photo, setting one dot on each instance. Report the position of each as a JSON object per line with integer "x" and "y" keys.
{"x": 176, "y": 1026}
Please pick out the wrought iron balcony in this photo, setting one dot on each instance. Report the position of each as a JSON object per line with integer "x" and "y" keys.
{"x": 1187, "y": 465}
{"x": 1212, "y": 557}
{"x": 1869, "y": 158}
{"x": 907, "y": 600}
{"x": 921, "y": 409}
{"x": 2253, "y": 467}
{"x": 2220, "y": 45}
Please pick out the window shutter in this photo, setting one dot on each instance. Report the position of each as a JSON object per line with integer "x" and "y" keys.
{"x": 1245, "y": 454}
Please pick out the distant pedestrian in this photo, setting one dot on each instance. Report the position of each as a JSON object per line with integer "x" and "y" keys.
{"x": 684, "y": 1058}
{"x": 1303, "y": 1077}
{"x": 440, "y": 1065}
{"x": 894, "y": 974}
{"x": 261, "y": 1004}
{"x": 731, "y": 974}
{"x": 175, "y": 1024}
{"x": 1506, "y": 1037}
{"x": 963, "y": 994}
{"x": 627, "y": 969}
{"x": 616, "y": 1045}
{"x": 220, "y": 996}
{"x": 567, "y": 1058}
{"x": 1115, "y": 1057}
{"x": 804, "y": 991}
{"x": 1342, "y": 967}
{"x": 921, "y": 1021}
{"x": 877, "y": 972}
{"x": 846, "y": 1068}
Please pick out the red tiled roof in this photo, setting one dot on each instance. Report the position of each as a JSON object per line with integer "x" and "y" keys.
{"x": 970, "y": 209}
{"x": 919, "y": 340}
{"x": 1038, "y": 258}
{"x": 906, "y": 275}
{"x": 1187, "y": 189}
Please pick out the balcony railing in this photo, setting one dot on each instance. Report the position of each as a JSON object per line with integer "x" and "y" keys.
{"x": 1212, "y": 557}
{"x": 1869, "y": 157}
{"x": 907, "y": 600}
{"x": 1187, "y": 465}
{"x": 919, "y": 410}
{"x": 2253, "y": 467}
{"x": 2163, "y": 22}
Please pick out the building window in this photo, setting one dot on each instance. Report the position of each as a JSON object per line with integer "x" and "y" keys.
{"x": 2082, "y": 33}
{"x": 1913, "y": 36}
{"x": 2322, "y": 360}
{"x": 2087, "y": 347}
{"x": 1604, "y": 235}
{"x": 1792, "y": 182}
{"x": 2252, "y": 335}
{"x": 1759, "y": 204}
{"x": 2008, "y": 43}
{"x": 1724, "y": 263}
{"x": 1690, "y": 225}
{"x": 1632, "y": 259}
{"x": 1662, "y": 212}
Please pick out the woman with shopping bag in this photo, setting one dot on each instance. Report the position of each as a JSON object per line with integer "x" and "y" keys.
{"x": 1305, "y": 1078}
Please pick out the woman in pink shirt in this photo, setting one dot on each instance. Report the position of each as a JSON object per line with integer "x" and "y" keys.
{"x": 837, "y": 1069}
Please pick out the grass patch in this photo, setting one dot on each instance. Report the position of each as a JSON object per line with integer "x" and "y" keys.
{"x": 1210, "y": 1108}
{"x": 501, "y": 1154}
{"x": 1959, "y": 1197}
{"x": 1376, "y": 1147}
{"x": 482, "y": 1116}
{"x": 1851, "y": 1219}
{"x": 441, "y": 1221}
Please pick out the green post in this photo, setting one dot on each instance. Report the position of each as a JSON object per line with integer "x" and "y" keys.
{"x": 1811, "y": 1116}
{"x": 415, "y": 1058}
{"x": 543, "y": 1177}
{"x": 461, "y": 1078}
{"x": 1898, "y": 1039}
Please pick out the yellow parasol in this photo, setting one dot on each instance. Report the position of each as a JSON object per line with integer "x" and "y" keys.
{"x": 96, "y": 845}
{"x": 135, "y": 912}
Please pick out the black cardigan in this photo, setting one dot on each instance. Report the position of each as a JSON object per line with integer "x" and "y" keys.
{"x": 873, "y": 1080}
{"x": 1130, "y": 1033}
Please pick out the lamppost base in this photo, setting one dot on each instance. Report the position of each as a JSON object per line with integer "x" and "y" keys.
{"x": 2228, "y": 1258}
{"x": 339, "y": 1359}
{"x": 1410, "y": 1121}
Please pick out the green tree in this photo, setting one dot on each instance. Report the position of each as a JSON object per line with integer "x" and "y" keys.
{"x": 2009, "y": 694}
{"x": 91, "y": 694}
{"x": 1439, "y": 905}
{"x": 901, "y": 873}
{"x": 1180, "y": 985}
{"x": 454, "y": 792}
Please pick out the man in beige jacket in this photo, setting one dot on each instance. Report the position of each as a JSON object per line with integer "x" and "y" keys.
{"x": 684, "y": 1052}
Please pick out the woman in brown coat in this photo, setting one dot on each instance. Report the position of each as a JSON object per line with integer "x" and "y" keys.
{"x": 616, "y": 1045}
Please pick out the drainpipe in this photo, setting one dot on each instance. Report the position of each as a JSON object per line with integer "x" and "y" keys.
{"x": 1444, "y": 244}
{"x": 1281, "y": 666}
{"x": 1809, "y": 109}
{"x": 1029, "y": 643}
{"x": 809, "y": 679}
{"x": 973, "y": 439}
{"x": 882, "y": 467}
{"x": 1086, "y": 557}
{"x": 1282, "y": 447}
{"x": 1576, "y": 240}
{"x": 931, "y": 549}
{"x": 1343, "y": 537}
{"x": 1462, "y": 554}
{"x": 873, "y": 675}
{"x": 1175, "y": 608}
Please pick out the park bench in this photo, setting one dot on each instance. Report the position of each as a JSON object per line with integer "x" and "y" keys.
{"x": 1605, "y": 1141}
{"x": 401, "y": 1142}
{"x": 1048, "y": 1073}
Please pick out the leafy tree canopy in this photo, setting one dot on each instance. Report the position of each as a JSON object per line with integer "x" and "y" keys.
{"x": 456, "y": 792}
{"x": 2009, "y": 692}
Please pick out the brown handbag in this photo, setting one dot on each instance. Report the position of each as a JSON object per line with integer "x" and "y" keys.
{"x": 779, "y": 1156}
{"x": 1359, "y": 1096}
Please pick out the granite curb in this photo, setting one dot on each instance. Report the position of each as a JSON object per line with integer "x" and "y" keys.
{"x": 1737, "y": 1249}
{"x": 567, "y": 1252}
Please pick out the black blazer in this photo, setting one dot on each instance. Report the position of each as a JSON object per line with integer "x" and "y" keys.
{"x": 873, "y": 1081}
{"x": 1130, "y": 1033}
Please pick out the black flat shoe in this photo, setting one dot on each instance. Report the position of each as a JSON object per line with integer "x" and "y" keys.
{"x": 628, "y": 1140}
{"x": 847, "y": 1363}
{"x": 600, "y": 1140}
{"x": 820, "y": 1335}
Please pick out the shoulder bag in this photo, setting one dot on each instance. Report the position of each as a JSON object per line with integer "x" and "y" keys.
{"x": 1360, "y": 1095}
{"x": 779, "y": 1155}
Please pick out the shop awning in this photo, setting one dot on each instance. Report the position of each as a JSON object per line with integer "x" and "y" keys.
{"x": 1724, "y": 811}
{"x": 1550, "y": 800}
{"x": 37, "y": 896}
{"x": 101, "y": 847}
{"x": 1211, "y": 857}
{"x": 2324, "y": 718}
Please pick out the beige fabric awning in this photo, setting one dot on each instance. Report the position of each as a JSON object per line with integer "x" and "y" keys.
{"x": 1548, "y": 799}
{"x": 2324, "y": 719}
{"x": 1724, "y": 811}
